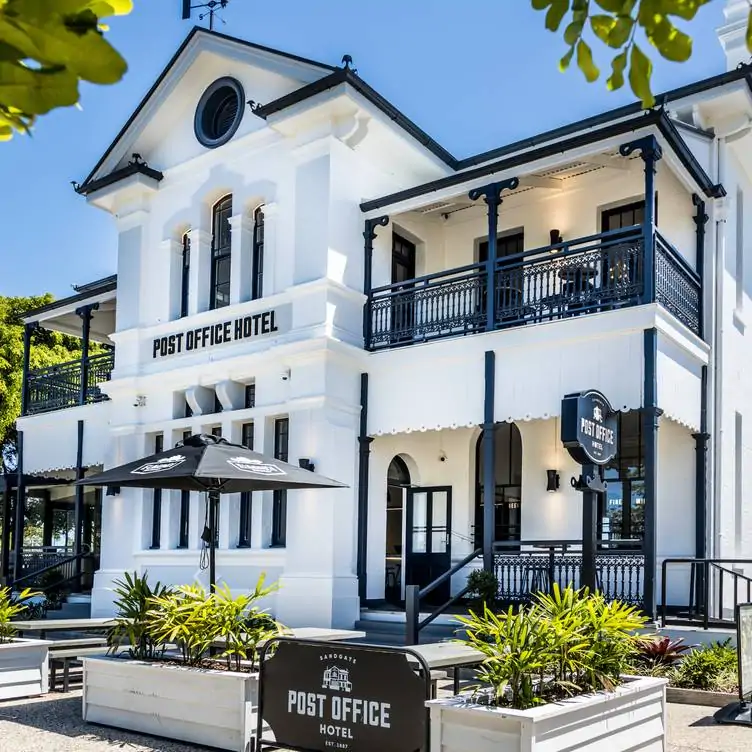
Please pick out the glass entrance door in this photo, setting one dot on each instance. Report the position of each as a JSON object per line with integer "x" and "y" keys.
{"x": 428, "y": 539}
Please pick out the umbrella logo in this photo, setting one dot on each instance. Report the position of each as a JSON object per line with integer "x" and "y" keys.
{"x": 257, "y": 467}
{"x": 160, "y": 466}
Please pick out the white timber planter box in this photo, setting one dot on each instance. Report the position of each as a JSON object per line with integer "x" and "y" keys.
{"x": 632, "y": 718}
{"x": 24, "y": 668}
{"x": 203, "y": 706}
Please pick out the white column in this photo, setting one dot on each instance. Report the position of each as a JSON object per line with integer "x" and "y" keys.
{"x": 200, "y": 271}
{"x": 261, "y": 520}
{"x": 172, "y": 251}
{"x": 240, "y": 258}
{"x": 319, "y": 587}
{"x": 275, "y": 280}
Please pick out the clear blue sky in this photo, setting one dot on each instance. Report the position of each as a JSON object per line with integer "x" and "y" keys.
{"x": 474, "y": 75}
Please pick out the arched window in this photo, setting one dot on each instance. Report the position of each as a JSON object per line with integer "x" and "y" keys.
{"x": 507, "y": 482}
{"x": 219, "y": 295}
{"x": 397, "y": 480}
{"x": 185, "y": 272}
{"x": 258, "y": 253}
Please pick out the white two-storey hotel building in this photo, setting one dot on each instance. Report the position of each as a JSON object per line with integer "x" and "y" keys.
{"x": 302, "y": 269}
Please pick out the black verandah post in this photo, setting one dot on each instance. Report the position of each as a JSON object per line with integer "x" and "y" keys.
{"x": 489, "y": 459}
{"x": 650, "y": 416}
{"x": 369, "y": 234}
{"x": 20, "y": 516}
{"x": 29, "y": 329}
{"x": 78, "y": 509}
{"x": 651, "y": 152}
{"x": 85, "y": 313}
{"x": 364, "y": 443}
{"x": 492, "y": 196}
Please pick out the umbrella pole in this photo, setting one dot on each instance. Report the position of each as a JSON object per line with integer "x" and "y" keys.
{"x": 211, "y": 501}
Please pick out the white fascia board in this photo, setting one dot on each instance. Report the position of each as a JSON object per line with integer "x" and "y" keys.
{"x": 70, "y": 308}
{"x": 562, "y": 158}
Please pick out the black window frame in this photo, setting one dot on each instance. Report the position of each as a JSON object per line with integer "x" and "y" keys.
{"x": 221, "y": 251}
{"x": 508, "y": 243}
{"x": 185, "y": 272}
{"x": 629, "y": 476}
{"x": 156, "y": 508}
{"x": 279, "y": 498}
{"x": 217, "y": 404}
{"x": 633, "y": 206}
{"x": 185, "y": 512}
{"x": 257, "y": 285}
{"x": 250, "y": 395}
{"x": 245, "y": 520}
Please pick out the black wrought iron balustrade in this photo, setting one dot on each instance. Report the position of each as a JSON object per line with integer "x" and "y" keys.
{"x": 678, "y": 287}
{"x": 596, "y": 273}
{"x": 429, "y": 307}
{"x": 58, "y": 387}
{"x": 522, "y": 574}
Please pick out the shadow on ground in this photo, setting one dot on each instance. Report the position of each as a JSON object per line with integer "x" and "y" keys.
{"x": 60, "y": 715}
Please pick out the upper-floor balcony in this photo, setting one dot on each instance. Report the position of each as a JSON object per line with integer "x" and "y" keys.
{"x": 603, "y": 221}
{"x": 68, "y": 384}
{"x": 611, "y": 270}
{"x": 88, "y": 315}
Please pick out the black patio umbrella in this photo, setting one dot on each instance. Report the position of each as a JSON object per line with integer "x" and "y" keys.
{"x": 212, "y": 465}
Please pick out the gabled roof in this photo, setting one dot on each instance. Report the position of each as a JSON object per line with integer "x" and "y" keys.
{"x": 195, "y": 32}
{"x": 348, "y": 76}
{"x": 83, "y": 293}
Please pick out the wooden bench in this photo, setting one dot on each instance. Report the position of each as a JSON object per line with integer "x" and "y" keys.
{"x": 65, "y": 657}
{"x": 79, "y": 642}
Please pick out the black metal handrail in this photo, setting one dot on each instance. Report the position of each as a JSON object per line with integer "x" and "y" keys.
{"x": 595, "y": 273}
{"x": 68, "y": 568}
{"x": 413, "y": 595}
{"x": 706, "y": 592}
{"x": 58, "y": 386}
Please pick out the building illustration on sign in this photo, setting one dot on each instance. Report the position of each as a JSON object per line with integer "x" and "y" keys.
{"x": 337, "y": 679}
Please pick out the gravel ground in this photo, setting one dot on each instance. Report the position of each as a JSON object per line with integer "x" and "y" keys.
{"x": 53, "y": 724}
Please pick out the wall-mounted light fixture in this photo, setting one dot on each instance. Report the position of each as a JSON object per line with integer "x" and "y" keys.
{"x": 306, "y": 464}
{"x": 552, "y": 480}
{"x": 555, "y": 236}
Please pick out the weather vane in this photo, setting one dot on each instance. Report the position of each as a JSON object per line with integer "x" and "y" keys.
{"x": 212, "y": 6}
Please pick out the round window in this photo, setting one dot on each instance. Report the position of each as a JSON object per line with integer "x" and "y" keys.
{"x": 219, "y": 112}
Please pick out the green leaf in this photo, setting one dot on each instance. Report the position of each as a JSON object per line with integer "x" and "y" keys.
{"x": 616, "y": 6}
{"x": 602, "y": 27}
{"x": 618, "y": 66}
{"x": 669, "y": 41}
{"x": 621, "y": 32}
{"x": 541, "y": 4}
{"x": 585, "y": 61}
{"x": 640, "y": 71}
{"x": 686, "y": 9}
{"x": 556, "y": 13}
{"x": 36, "y": 92}
{"x": 573, "y": 32}
{"x": 564, "y": 62}
{"x": 749, "y": 31}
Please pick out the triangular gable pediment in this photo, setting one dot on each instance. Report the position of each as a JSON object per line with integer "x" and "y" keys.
{"x": 161, "y": 128}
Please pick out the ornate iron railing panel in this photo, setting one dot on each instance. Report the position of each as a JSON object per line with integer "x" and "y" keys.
{"x": 596, "y": 273}
{"x": 59, "y": 386}
{"x": 677, "y": 286}
{"x": 586, "y": 275}
{"x": 620, "y": 576}
{"x": 430, "y": 307}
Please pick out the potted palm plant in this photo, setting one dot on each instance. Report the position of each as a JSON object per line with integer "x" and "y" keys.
{"x": 24, "y": 664}
{"x": 182, "y": 663}
{"x": 554, "y": 678}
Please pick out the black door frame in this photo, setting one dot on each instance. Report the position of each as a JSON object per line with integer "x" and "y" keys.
{"x": 403, "y": 314}
{"x": 439, "y": 593}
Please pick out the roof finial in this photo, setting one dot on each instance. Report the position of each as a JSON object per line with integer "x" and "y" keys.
{"x": 213, "y": 10}
{"x": 347, "y": 62}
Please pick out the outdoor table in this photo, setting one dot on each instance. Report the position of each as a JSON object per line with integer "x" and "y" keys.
{"x": 452, "y": 655}
{"x": 313, "y": 633}
{"x": 68, "y": 625}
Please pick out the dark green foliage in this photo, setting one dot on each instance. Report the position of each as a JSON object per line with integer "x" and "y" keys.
{"x": 712, "y": 668}
{"x": 484, "y": 589}
{"x": 134, "y": 599}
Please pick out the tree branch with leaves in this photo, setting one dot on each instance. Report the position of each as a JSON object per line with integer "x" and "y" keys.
{"x": 620, "y": 25}
{"x": 46, "y": 48}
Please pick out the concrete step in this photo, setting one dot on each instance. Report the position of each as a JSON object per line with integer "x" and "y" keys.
{"x": 76, "y": 607}
{"x": 391, "y": 631}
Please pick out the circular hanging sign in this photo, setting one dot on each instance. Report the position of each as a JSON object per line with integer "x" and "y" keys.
{"x": 589, "y": 428}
